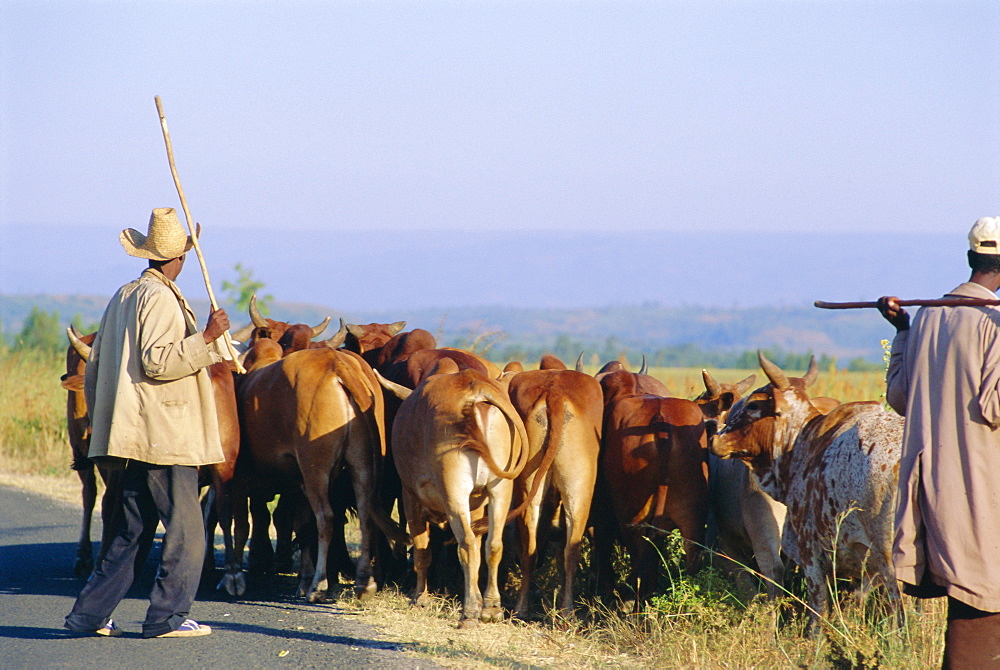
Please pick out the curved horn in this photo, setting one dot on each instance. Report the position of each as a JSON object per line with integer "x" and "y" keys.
{"x": 355, "y": 330}
{"x": 579, "y": 362}
{"x": 644, "y": 369}
{"x": 318, "y": 330}
{"x": 255, "y": 316}
{"x": 746, "y": 384}
{"x": 78, "y": 344}
{"x": 397, "y": 390}
{"x": 338, "y": 338}
{"x": 396, "y": 328}
{"x": 812, "y": 373}
{"x": 772, "y": 371}
{"x": 711, "y": 385}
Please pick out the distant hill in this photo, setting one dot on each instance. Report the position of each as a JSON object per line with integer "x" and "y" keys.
{"x": 631, "y": 291}
{"x": 633, "y": 330}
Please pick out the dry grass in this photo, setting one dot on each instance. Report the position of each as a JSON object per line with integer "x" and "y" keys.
{"x": 695, "y": 622}
{"x": 33, "y": 436}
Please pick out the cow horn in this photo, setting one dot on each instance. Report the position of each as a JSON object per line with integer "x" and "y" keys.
{"x": 711, "y": 385}
{"x": 356, "y": 331}
{"x": 812, "y": 373}
{"x": 643, "y": 369}
{"x": 396, "y": 328}
{"x": 243, "y": 333}
{"x": 78, "y": 344}
{"x": 318, "y": 330}
{"x": 579, "y": 362}
{"x": 772, "y": 371}
{"x": 397, "y": 390}
{"x": 745, "y": 385}
{"x": 255, "y": 316}
{"x": 338, "y": 338}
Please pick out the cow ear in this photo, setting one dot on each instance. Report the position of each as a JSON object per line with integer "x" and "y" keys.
{"x": 726, "y": 401}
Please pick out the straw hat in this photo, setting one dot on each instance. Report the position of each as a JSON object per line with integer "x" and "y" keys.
{"x": 165, "y": 239}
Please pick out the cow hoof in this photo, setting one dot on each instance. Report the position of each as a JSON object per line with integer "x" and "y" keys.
{"x": 366, "y": 592}
{"x": 235, "y": 584}
{"x": 423, "y": 600}
{"x": 491, "y": 615}
{"x": 468, "y": 623}
{"x": 317, "y": 597}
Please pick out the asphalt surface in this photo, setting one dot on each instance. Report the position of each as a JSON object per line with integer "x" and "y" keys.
{"x": 267, "y": 627}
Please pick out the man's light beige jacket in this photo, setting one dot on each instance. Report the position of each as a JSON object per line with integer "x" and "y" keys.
{"x": 147, "y": 385}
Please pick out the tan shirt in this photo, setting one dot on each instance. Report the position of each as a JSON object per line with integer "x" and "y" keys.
{"x": 147, "y": 384}
{"x": 944, "y": 377}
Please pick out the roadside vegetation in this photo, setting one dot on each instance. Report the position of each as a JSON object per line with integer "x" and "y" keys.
{"x": 693, "y": 622}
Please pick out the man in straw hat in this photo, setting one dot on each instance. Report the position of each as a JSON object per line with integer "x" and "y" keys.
{"x": 944, "y": 377}
{"x": 153, "y": 417}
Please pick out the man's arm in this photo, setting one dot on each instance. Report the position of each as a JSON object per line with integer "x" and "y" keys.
{"x": 164, "y": 357}
{"x": 897, "y": 385}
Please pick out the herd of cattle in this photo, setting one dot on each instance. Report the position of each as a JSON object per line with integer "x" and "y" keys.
{"x": 379, "y": 420}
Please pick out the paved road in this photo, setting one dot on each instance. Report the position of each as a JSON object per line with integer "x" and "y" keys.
{"x": 267, "y": 628}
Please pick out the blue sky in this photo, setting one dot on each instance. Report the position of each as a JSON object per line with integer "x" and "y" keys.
{"x": 758, "y": 117}
{"x": 512, "y": 115}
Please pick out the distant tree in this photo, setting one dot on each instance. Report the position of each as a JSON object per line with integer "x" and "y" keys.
{"x": 41, "y": 331}
{"x": 246, "y": 286}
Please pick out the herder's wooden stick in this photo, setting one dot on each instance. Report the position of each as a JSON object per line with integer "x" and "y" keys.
{"x": 192, "y": 232}
{"x": 936, "y": 302}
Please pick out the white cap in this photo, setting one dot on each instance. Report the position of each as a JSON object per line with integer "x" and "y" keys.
{"x": 984, "y": 238}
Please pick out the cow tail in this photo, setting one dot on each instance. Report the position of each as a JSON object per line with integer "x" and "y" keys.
{"x": 553, "y": 441}
{"x": 664, "y": 445}
{"x": 477, "y": 442}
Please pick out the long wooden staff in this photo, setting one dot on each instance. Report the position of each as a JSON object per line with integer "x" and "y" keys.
{"x": 936, "y": 302}
{"x": 191, "y": 230}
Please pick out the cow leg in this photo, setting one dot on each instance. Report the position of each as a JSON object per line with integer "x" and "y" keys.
{"x": 576, "y": 508}
{"x": 359, "y": 460}
{"x": 342, "y": 497}
{"x": 460, "y": 521}
{"x": 240, "y": 511}
{"x": 527, "y": 526}
{"x": 233, "y": 580}
{"x": 817, "y": 595}
{"x": 420, "y": 533}
{"x": 499, "y": 504}
{"x": 261, "y": 557}
{"x": 84, "y": 564}
{"x": 284, "y": 519}
{"x": 316, "y": 482}
{"x": 209, "y": 519}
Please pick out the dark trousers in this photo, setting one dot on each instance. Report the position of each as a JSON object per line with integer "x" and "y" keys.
{"x": 972, "y": 639}
{"x": 152, "y": 493}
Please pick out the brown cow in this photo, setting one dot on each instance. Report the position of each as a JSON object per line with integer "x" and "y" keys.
{"x": 370, "y": 340}
{"x": 291, "y": 337}
{"x": 653, "y": 473}
{"x": 459, "y": 444}
{"x": 304, "y": 417}
{"x": 562, "y": 412}
{"x": 835, "y": 472}
{"x": 78, "y": 429}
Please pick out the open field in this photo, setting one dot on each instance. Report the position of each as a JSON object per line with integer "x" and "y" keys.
{"x": 695, "y": 622}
